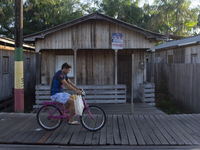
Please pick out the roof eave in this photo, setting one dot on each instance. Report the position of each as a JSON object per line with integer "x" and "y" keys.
{"x": 179, "y": 45}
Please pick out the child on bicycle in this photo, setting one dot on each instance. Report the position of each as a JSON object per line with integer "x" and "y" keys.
{"x": 60, "y": 78}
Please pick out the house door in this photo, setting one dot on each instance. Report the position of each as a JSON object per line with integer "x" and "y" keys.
{"x": 124, "y": 72}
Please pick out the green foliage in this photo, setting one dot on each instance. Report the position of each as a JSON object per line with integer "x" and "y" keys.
{"x": 7, "y": 20}
{"x": 38, "y": 15}
{"x": 164, "y": 16}
{"x": 169, "y": 106}
{"x": 158, "y": 43}
{"x": 172, "y": 17}
{"x": 43, "y": 14}
{"x": 125, "y": 10}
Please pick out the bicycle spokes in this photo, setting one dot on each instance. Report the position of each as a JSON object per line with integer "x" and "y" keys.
{"x": 93, "y": 118}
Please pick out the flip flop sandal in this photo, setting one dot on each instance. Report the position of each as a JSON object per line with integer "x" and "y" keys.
{"x": 74, "y": 123}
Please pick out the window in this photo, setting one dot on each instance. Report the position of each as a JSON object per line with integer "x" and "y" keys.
{"x": 194, "y": 58}
{"x": 28, "y": 64}
{"x": 170, "y": 58}
{"x": 61, "y": 59}
{"x": 5, "y": 64}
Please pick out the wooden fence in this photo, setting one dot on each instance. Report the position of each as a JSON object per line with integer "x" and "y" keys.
{"x": 183, "y": 83}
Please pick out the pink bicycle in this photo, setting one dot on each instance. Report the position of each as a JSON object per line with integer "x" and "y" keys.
{"x": 50, "y": 116}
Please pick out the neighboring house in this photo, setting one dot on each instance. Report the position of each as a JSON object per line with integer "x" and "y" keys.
{"x": 177, "y": 65}
{"x": 7, "y": 54}
{"x": 185, "y": 50}
{"x": 86, "y": 43}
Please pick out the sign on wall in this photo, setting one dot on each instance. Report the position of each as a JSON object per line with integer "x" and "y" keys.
{"x": 117, "y": 41}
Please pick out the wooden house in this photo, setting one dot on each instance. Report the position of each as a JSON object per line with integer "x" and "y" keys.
{"x": 186, "y": 50}
{"x": 86, "y": 43}
{"x": 7, "y": 55}
{"x": 177, "y": 65}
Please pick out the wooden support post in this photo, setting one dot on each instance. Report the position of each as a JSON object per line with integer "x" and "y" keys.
{"x": 152, "y": 65}
{"x": 116, "y": 73}
{"x": 19, "y": 64}
{"x": 145, "y": 67}
{"x": 116, "y": 66}
{"x": 132, "y": 67}
{"x": 75, "y": 78}
{"x": 38, "y": 68}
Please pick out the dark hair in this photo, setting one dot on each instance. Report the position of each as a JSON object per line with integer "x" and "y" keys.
{"x": 66, "y": 65}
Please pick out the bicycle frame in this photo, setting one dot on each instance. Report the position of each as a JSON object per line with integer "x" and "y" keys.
{"x": 87, "y": 107}
{"x": 61, "y": 107}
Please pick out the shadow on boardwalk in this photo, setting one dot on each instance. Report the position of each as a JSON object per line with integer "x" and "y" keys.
{"x": 142, "y": 129}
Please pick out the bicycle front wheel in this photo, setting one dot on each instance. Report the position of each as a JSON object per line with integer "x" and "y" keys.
{"x": 93, "y": 119}
{"x": 48, "y": 117}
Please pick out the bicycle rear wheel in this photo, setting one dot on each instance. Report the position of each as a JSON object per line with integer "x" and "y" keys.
{"x": 93, "y": 119}
{"x": 48, "y": 117}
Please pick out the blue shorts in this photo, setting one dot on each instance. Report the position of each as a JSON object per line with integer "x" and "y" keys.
{"x": 60, "y": 97}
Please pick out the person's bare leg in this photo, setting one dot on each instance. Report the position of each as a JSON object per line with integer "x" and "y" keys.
{"x": 67, "y": 106}
{"x": 70, "y": 102}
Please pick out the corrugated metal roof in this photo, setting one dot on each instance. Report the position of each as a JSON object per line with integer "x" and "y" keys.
{"x": 12, "y": 42}
{"x": 181, "y": 42}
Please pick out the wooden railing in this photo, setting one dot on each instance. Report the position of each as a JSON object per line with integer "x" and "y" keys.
{"x": 94, "y": 93}
{"x": 147, "y": 92}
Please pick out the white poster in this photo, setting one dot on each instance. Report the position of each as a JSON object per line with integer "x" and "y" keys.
{"x": 117, "y": 41}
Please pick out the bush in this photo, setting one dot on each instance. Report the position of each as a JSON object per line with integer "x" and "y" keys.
{"x": 167, "y": 105}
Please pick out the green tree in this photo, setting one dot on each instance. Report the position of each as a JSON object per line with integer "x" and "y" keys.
{"x": 43, "y": 14}
{"x": 7, "y": 15}
{"x": 164, "y": 16}
{"x": 125, "y": 10}
{"x": 198, "y": 24}
{"x": 38, "y": 15}
{"x": 172, "y": 17}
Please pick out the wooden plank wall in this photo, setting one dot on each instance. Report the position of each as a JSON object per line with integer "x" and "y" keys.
{"x": 124, "y": 70}
{"x": 48, "y": 64}
{"x": 29, "y": 75}
{"x": 180, "y": 55}
{"x": 183, "y": 83}
{"x": 95, "y": 67}
{"x": 195, "y": 49}
{"x": 7, "y": 80}
{"x": 6, "y": 83}
{"x": 93, "y": 34}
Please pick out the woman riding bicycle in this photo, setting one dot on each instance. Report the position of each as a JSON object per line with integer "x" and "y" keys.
{"x": 60, "y": 78}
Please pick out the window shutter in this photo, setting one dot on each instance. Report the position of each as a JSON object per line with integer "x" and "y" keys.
{"x": 170, "y": 58}
{"x": 5, "y": 64}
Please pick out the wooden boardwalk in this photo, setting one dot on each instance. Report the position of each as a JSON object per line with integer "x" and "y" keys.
{"x": 142, "y": 130}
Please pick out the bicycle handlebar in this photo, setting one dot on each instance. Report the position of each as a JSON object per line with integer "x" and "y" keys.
{"x": 83, "y": 92}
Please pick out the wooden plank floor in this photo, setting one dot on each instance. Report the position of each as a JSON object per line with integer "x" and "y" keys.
{"x": 153, "y": 130}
